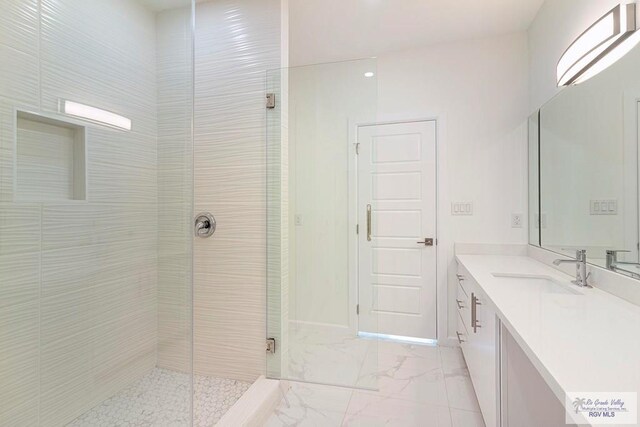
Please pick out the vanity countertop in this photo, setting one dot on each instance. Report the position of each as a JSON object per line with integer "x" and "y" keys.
{"x": 578, "y": 343}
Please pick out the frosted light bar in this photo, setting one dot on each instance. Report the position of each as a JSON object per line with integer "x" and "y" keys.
{"x": 96, "y": 115}
{"x": 600, "y": 46}
{"x": 397, "y": 338}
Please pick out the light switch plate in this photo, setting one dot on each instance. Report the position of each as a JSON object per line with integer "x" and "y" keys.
{"x": 462, "y": 208}
{"x": 603, "y": 207}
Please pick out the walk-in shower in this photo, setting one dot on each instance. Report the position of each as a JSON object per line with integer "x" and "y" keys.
{"x": 163, "y": 221}
{"x": 98, "y": 324}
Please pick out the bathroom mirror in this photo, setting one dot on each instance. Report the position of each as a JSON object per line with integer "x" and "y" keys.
{"x": 583, "y": 168}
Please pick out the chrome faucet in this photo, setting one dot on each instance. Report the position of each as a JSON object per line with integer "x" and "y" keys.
{"x": 613, "y": 264}
{"x": 581, "y": 268}
{"x": 612, "y": 260}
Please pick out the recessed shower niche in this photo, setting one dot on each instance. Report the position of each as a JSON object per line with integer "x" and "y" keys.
{"x": 50, "y": 159}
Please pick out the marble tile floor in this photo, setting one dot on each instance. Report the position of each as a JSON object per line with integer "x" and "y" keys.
{"x": 415, "y": 386}
{"x": 162, "y": 399}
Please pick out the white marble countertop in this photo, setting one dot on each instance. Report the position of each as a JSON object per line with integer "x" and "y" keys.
{"x": 578, "y": 343}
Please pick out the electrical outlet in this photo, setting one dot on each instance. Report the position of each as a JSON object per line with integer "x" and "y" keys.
{"x": 298, "y": 219}
{"x": 516, "y": 220}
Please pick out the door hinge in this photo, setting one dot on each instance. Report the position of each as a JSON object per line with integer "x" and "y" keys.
{"x": 357, "y": 228}
{"x": 271, "y": 345}
{"x": 271, "y": 100}
{"x": 357, "y": 148}
{"x": 358, "y": 309}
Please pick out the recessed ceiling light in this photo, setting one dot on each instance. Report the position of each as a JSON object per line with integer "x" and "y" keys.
{"x": 369, "y": 74}
{"x": 96, "y": 115}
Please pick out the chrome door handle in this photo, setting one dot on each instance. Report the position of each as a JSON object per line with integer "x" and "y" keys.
{"x": 205, "y": 225}
{"x": 427, "y": 241}
{"x": 368, "y": 223}
{"x": 460, "y": 340}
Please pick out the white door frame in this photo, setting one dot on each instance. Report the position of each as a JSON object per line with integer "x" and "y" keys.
{"x": 441, "y": 246}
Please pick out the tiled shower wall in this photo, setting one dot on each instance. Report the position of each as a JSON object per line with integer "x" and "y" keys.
{"x": 175, "y": 187}
{"x": 236, "y": 42}
{"x": 78, "y": 290}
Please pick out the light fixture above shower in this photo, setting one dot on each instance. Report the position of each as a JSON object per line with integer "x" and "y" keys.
{"x": 95, "y": 114}
{"x": 599, "y": 46}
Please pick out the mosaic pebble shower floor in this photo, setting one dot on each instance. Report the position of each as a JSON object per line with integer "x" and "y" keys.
{"x": 161, "y": 398}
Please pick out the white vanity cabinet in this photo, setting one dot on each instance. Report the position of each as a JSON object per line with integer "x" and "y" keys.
{"x": 478, "y": 339}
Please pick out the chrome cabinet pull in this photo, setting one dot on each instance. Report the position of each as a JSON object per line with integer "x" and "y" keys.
{"x": 474, "y": 312}
{"x": 368, "y": 223}
{"x": 460, "y": 340}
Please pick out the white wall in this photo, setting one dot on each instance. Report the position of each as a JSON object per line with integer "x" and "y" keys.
{"x": 324, "y": 101}
{"x": 78, "y": 312}
{"x": 478, "y": 91}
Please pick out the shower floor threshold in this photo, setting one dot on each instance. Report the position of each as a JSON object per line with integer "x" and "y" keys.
{"x": 162, "y": 398}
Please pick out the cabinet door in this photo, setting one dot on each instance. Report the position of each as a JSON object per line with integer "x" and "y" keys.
{"x": 480, "y": 346}
{"x": 480, "y": 352}
{"x": 484, "y": 344}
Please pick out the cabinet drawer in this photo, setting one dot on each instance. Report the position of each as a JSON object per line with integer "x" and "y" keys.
{"x": 462, "y": 276}
{"x": 461, "y": 332}
{"x": 463, "y": 306}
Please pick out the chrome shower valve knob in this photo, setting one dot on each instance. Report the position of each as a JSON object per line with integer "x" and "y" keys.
{"x": 205, "y": 225}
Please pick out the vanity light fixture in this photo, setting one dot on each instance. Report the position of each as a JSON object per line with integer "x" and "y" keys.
{"x": 600, "y": 46}
{"x": 95, "y": 114}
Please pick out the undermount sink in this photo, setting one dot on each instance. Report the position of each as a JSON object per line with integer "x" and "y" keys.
{"x": 545, "y": 283}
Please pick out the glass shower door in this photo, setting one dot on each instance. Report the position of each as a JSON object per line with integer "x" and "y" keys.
{"x": 95, "y": 213}
{"x": 314, "y": 221}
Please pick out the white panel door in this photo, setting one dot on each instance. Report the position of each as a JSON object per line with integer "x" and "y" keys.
{"x": 396, "y": 274}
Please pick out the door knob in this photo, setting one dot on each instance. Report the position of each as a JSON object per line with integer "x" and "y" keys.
{"x": 205, "y": 225}
{"x": 427, "y": 241}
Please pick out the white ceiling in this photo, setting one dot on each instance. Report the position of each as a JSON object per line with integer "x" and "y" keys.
{"x": 333, "y": 30}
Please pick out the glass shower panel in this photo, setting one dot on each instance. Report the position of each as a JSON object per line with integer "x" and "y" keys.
{"x": 314, "y": 213}
{"x": 95, "y": 212}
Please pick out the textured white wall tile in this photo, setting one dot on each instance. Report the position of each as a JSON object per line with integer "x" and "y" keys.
{"x": 65, "y": 379}
{"x": 122, "y": 167}
{"x": 236, "y": 43}
{"x": 175, "y": 188}
{"x": 19, "y": 25}
{"x": 46, "y": 161}
{"x": 100, "y": 53}
{"x": 83, "y": 312}
{"x": 20, "y": 278}
{"x": 19, "y": 228}
{"x": 18, "y": 75}
{"x": 19, "y": 363}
